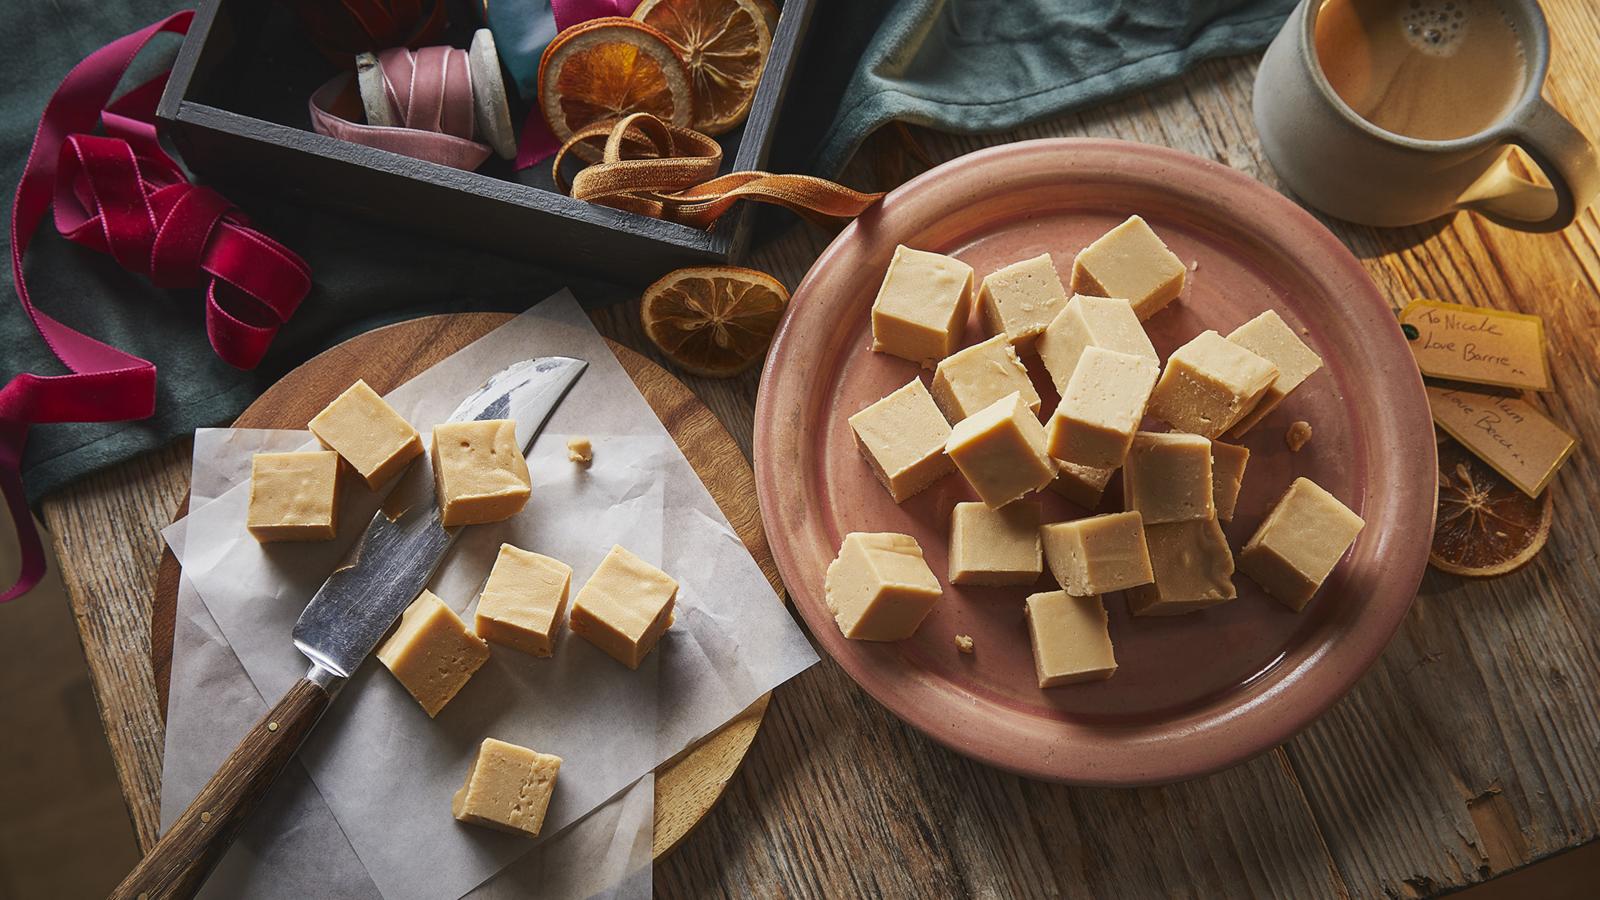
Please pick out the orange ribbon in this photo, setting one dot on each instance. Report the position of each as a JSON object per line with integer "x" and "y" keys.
{"x": 668, "y": 172}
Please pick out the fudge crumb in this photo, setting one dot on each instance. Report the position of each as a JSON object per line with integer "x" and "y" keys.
{"x": 580, "y": 450}
{"x": 1194, "y": 265}
{"x": 1297, "y": 436}
{"x": 964, "y": 643}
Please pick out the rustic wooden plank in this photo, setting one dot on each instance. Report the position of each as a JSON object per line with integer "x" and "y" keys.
{"x": 838, "y": 798}
{"x": 106, "y": 532}
{"x": 1573, "y": 84}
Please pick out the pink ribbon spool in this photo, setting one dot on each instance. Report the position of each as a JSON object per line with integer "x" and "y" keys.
{"x": 438, "y": 104}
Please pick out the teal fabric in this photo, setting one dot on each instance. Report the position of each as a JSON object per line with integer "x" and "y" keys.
{"x": 973, "y": 66}
{"x": 957, "y": 65}
{"x": 522, "y": 29}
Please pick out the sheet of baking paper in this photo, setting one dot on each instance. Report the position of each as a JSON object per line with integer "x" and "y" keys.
{"x": 292, "y": 847}
{"x": 376, "y": 759}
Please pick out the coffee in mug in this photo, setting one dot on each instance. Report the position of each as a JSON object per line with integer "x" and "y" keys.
{"x": 1430, "y": 69}
{"x": 1394, "y": 112}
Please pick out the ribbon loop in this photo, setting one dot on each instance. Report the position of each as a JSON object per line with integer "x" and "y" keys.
{"x": 119, "y": 193}
{"x": 187, "y": 215}
{"x": 107, "y": 197}
{"x": 662, "y": 170}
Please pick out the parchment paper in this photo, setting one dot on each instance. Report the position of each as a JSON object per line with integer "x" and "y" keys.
{"x": 292, "y": 847}
{"x": 384, "y": 770}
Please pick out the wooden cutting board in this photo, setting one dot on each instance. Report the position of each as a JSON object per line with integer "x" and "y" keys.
{"x": 688, "y": 785}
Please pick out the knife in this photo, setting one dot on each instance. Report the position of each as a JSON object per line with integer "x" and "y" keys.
{"x": 379, "y": 577}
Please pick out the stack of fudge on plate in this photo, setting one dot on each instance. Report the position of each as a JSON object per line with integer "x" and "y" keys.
{"x": 982, "y": 418}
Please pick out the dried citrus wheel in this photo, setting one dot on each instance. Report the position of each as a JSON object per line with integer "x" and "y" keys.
{"x": 607, "y": 68}
{"x": 724, "y": 43}
{"x": 1485, "y": 526}
{"x": 713, "y": 320}
{"x": 769, "y": 12}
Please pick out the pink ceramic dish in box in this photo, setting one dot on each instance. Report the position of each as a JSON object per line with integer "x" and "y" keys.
{"x": 1193, "y": 693}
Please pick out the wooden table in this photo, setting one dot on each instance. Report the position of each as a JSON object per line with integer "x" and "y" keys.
{"x": 1472, "y": 748}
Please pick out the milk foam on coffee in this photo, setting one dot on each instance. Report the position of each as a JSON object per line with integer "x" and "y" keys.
{"x": 1430, "y": 69}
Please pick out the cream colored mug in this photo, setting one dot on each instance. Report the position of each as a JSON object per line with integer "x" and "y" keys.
{"x": 1396, "y": 59}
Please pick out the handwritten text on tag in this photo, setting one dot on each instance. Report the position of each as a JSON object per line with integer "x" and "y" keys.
{"x": 1483, "y": 346}
{"x": 1520, "y": 442}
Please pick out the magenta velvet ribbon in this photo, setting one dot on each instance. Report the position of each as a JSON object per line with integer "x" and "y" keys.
{"x": 538, "y": 143}
{"x": 120, "y": 194}
{"x": 430, "y": 90}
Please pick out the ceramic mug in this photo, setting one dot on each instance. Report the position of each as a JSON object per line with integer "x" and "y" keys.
{"x": 1346, "y": 166}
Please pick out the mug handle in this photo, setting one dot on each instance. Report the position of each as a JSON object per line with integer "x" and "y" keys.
{"x": 1564, "y": 155}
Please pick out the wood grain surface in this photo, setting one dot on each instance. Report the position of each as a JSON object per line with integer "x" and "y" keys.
{"x": 688, "y": 785}
{"x": 1471, "y": 749}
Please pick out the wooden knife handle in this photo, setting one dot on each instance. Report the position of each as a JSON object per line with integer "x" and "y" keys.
{"x": 179, "y": 863}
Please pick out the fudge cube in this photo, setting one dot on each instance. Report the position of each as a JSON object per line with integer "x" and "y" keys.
{"x": 1270, "y": 338}
{"x": 921, "y": 309}
{"x": 1130, "y": 261}
{"x": 479, "y": 472}
{"x": 1227, "y": 475}
{"x": 508, "y": 788}
{"x": 1083, "y": 485}
{"x": 879, "y": 587}
{"x": 1101, "y": 408}
{"x": 1000, "y": 450}
{"x": 432, "y": 653}
{"x": 1099, "y": 554}
{"x": 1019, "y": 300}
{"x": 294, "y": 496}
{"x": 1091, "y": 322}
{"x": 968, "y": 380}
{"x": 625, "y": 607}
{"x": 524, "y": 601}
{"x": 1193, "y": 568}
{"x": 995, "y": 546}
{"x": 1210, "y": 384}
{"x": 1167, "y": 478}
{"x": 903, "y": 437}
{"x": 1299, "y": 543}
{"x": 367, "y": 433}
{"x": 1071, "y": 638}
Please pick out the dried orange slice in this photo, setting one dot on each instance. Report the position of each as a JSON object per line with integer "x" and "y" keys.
{"x": 713, "y": 320}
{"x": 769, "y": 12}
{"x": 1485, "y": 526}
{"x": 607, "y": 68}
{"x": 725, "y": 44}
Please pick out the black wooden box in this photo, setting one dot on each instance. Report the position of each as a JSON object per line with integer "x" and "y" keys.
{"x": 235, "y": 108}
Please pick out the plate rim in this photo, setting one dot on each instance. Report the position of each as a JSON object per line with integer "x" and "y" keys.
{"x": 1272, "y": 718}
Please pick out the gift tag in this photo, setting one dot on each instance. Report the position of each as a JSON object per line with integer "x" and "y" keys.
{"x": 1520, "y": 442}
{"x": 1483, "y": 346}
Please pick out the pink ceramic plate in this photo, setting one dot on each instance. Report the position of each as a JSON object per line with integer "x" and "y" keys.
{"x": 1193, "y": 693}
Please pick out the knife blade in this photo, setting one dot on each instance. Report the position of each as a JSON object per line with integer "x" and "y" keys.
{"x": 390, "y": 565}
{"x": 382, "y": 573}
